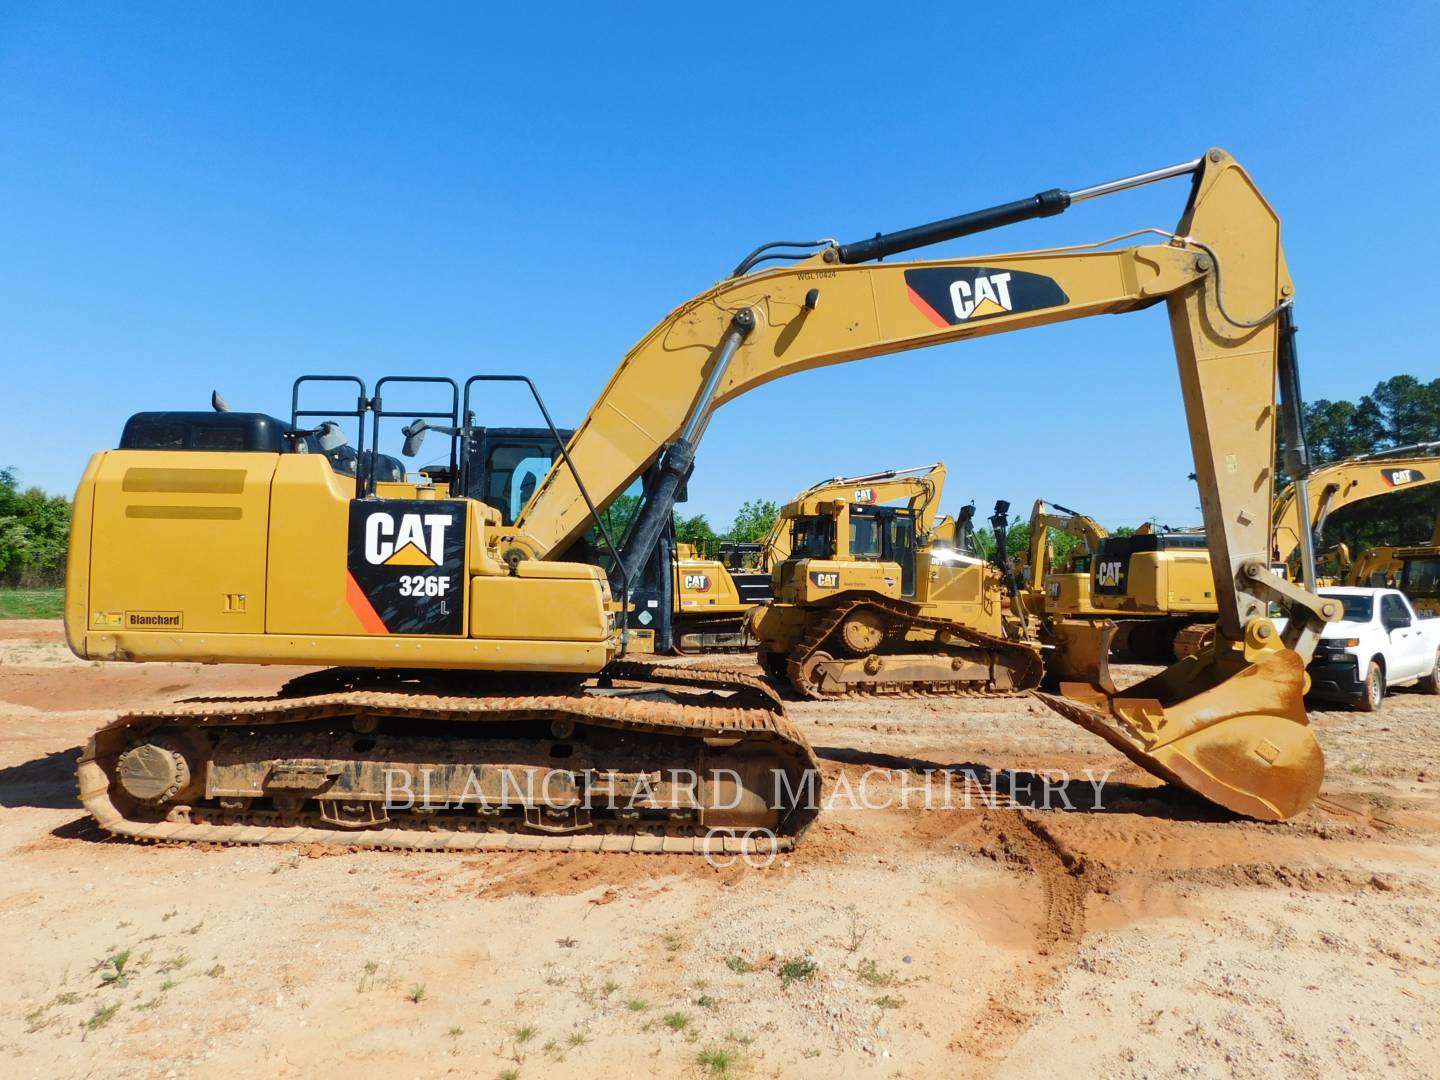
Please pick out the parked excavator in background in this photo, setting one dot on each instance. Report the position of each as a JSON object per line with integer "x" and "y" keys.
{"x": 480, "y": 653}
{"x": 1156, "y": 584}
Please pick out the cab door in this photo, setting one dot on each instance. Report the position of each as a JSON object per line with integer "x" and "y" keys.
{"x": 900, "y": 548}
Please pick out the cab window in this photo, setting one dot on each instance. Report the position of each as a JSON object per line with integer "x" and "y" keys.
{"x": 812, "y": 538}
{"x": 865, "y": 538}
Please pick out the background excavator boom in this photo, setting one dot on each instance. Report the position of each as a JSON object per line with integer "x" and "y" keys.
{"x": 1350, "y": 481}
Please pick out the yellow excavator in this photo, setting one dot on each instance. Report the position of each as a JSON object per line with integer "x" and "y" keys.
{"x": 1062, "y": 590}
{"x": 1414, "y": 570}
{"x": 882, "y": 599}
{"x": 477, "y": 693}
{"x": 1355, "y": 479}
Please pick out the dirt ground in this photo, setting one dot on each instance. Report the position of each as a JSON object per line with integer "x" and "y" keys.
{"x": 1148, "y": 935}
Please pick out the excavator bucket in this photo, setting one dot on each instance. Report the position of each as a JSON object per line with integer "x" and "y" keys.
{"x": 1234, "y": 733}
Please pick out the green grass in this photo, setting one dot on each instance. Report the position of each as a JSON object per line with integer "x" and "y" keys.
{"x": 802, "y": 967}
{"x": 32, "y": 603}
{"x": 718, "y": 1062}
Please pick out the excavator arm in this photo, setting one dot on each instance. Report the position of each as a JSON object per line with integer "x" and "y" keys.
{"x": 1231, "y": 724}
{"x": 1046, "y": 516}
{"x": 1350, "y": 481}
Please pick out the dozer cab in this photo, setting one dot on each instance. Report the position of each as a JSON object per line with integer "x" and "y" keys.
{"x": 486, "y": 661}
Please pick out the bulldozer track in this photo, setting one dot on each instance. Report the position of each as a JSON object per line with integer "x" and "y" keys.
{"x": 732, "y": 708}
{"x": 903, "y": 617}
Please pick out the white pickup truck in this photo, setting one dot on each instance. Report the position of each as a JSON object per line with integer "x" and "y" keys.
{"x": 1379, "y": 642}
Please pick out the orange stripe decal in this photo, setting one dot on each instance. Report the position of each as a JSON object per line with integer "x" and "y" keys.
{"x": 925, "y": 309}
{"x": 360, "y": 604}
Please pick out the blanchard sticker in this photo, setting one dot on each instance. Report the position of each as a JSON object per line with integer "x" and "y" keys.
{"x": 1401, "y": 477}
{"x": 949, "y": 296}
{"x": 825, "y": 579}
{"x": 406, "y": 566}
{"x": 154, "y": 620}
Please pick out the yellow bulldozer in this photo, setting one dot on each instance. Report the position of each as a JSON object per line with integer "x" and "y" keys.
{"x": 883, "y": 599}
{"x": 714, "y": 597}
{"x": 475, "y": 690}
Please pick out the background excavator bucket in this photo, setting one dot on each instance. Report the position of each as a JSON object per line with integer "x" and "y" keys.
{"x": 1237, "y": 735}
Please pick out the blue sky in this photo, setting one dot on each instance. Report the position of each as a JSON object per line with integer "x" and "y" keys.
{"x": 198, "y": 196}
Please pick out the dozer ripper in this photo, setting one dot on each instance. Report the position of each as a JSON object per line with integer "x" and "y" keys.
{"x": 469, "y": 657}
{"x": 878, "y": 599}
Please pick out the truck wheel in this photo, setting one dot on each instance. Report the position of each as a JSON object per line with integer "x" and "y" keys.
{"x": 1374, "y": 693}
{"x": 1431, "y": 683}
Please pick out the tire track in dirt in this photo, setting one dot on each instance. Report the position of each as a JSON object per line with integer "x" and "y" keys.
{"x": 1065, "y": 879}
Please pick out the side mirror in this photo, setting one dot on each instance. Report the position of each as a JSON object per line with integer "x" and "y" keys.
{"x": 330, "y": 436}
{"x": 414, "y": 435}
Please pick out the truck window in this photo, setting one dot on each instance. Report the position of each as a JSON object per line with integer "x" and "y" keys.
{"x": 1393, "y": 612}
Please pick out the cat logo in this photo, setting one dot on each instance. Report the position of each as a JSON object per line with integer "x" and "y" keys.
{"x": 948, "y": 296}
{"x": 696, "y": 583}
{"x": 988, "y": 294}
{"x": 417, "y": 539}
{"x": 1108, "y": 574}
{"x": 1401, "y": 477}
{"x": 825, "y": 579}
{"x": 863, "y": 495}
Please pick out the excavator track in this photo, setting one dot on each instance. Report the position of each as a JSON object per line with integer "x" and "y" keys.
{"x": 645, "y": 758}
{"x": 991, "y": 666}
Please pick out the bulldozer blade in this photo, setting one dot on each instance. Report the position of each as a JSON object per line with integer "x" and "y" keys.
{"x": 1081, "y": 656}
{"x": 1242, "y": 741}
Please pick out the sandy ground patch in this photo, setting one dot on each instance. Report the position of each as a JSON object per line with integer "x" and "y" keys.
{"x": 1148, "y": 935}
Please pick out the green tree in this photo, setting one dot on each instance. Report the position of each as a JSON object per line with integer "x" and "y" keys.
{"x": 752, "y": 521}
{"x": 34, "y": 532}
{"x": 697, "y": 531}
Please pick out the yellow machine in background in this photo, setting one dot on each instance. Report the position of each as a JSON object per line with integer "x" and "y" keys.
{"x": 883, "y": 599}
{"x": 713, "y": 597}
{"x": 1063, "y": 590}
{"x": 1157, "y": 585}
{"x": 237, "y": 545}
